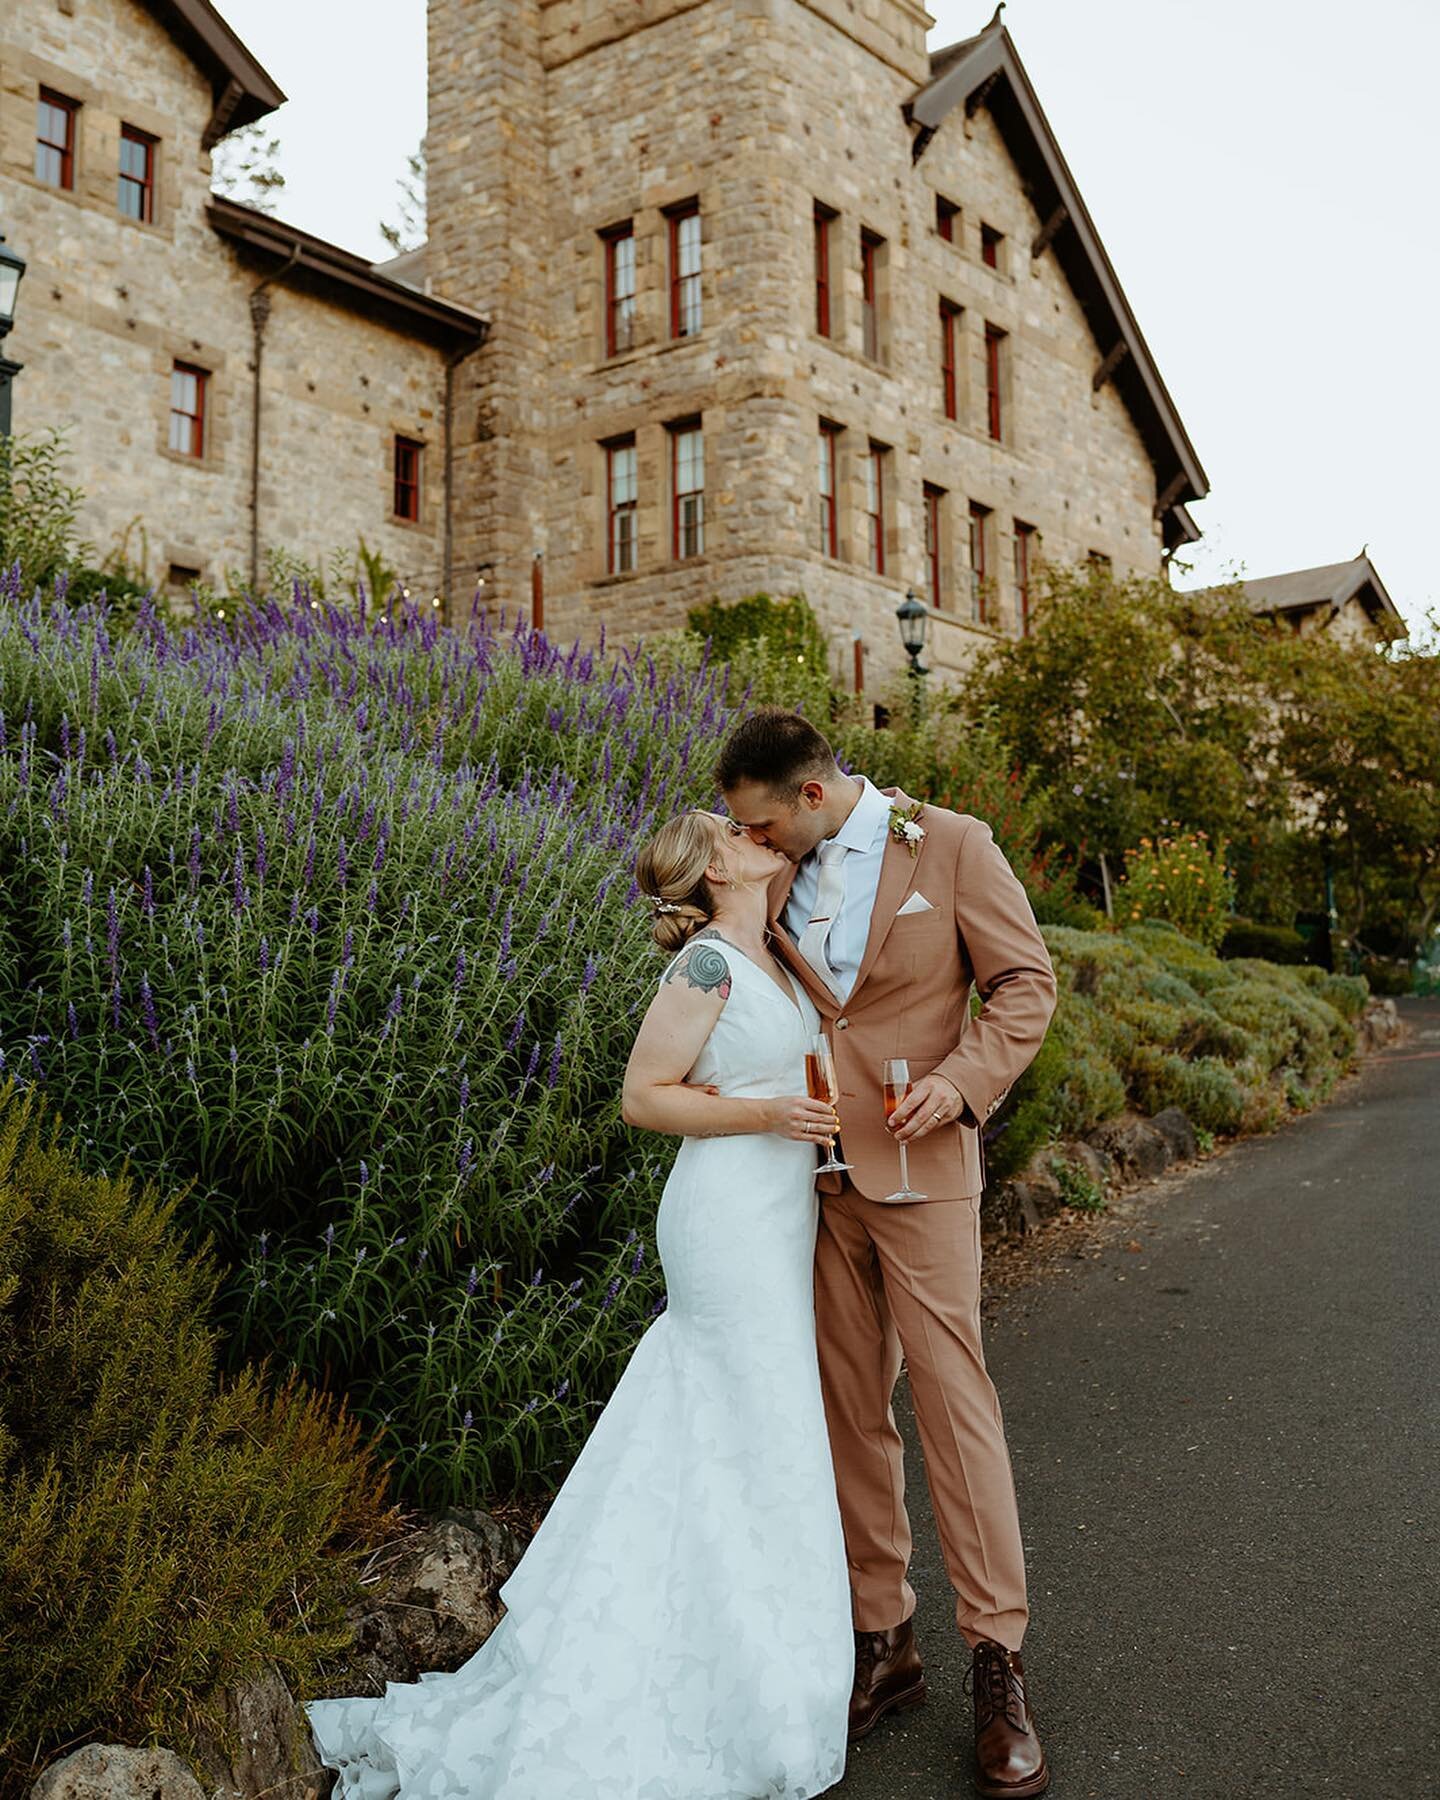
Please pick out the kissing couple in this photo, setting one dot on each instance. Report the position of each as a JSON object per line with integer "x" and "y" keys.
{"x": 716, "y": 1603}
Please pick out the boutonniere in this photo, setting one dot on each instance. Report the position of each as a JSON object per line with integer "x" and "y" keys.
{"x": 905, "y": 827}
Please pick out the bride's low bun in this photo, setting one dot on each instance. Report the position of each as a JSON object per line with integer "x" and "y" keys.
{"x": 671, "y": 870}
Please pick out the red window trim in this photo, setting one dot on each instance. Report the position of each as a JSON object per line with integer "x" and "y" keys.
{"x": 678, "y": 430}
{"x": 610, "y": 237}
{"x": 978, "y": 517}
{"x": 946, "y": 213}
{"x": 612, "y": 511}
{"x": 870, "y": 242}
{"x": 1024, "y": 535}
{"x": 990, "y": 246}
{"x": 132, "y": 134}
{"x": 993, "y": 339}
{"x": 824, "y": 218}
{"x": 197, "y": 418}
{"x": 877, "y": 548}
{"x": 831, "y": 433}
{"x": 407, "y": 478}
{"x": 933, "y": 497}
{"x": 70, "y": 108}
{"x": 949, "y": 313}
{"x": 690, "y": 209}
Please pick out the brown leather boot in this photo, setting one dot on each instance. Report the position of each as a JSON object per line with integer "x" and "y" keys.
{"x": 1009, "y": 1762}
{"x": 889, "y": 1676}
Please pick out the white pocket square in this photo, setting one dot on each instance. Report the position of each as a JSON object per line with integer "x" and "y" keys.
{"x": 916, "y": 903}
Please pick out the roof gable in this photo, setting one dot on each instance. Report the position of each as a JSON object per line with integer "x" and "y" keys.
{"x": 1329, "y": 585}
{"x": 985, "y": 70}
{"x": 242, "y": 90}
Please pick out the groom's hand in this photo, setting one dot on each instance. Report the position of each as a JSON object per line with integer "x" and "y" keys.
{"x": 931, "y": 1103}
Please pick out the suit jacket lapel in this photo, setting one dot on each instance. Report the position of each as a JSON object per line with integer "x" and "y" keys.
{"x": 898, "y": 870}
{"x": 786, "y": 947}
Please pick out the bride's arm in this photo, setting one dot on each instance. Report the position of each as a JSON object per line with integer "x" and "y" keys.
{"x": 672, "y": 1034}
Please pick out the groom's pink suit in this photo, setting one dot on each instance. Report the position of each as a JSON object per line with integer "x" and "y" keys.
{"x": 903, "y": 1278}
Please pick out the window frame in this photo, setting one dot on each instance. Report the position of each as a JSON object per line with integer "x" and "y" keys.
{"x": 994, "y": 338}
{"x": 871, "y": 245}
{"x": 679, "y": 430}
{"x": 829, "y": 458}
{"x": 198, "y": 421}
{"x": 627, "y": 509}
{"x": 611, "y": 238}
{"x": 946, "y": 214}
{"x": 825, "y": 217}
{"x": 990, "y": 242}
{"x": 70, "y": 110}
{"x": 950, "y": 313}
{"x": 980, "y": 517}
{"x": 1025, "y": 535}
{"x": 676, "y": 218}
{"x": 147, "y": 141}
{"x": 408, "y": 483}
{"x": 933, "y": 498}
{"x": 875, "y": 457}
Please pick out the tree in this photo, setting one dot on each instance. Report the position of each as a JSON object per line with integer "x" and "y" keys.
{"x": 409, "y": 233}
{"x": 245, "y": 167}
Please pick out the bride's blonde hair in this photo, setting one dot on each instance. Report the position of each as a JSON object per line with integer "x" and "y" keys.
{"x": 671, "y": 869}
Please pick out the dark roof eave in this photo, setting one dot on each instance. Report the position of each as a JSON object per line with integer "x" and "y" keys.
{"x": 348, "y": 277}
{"x": 243, "y": 90}
{"x": 991, "y": 58}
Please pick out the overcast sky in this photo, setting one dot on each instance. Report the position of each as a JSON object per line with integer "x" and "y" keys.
{"x": 1261, "y": 173}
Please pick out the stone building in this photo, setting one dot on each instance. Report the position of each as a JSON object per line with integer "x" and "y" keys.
{"x": 719, "y": 296}
{"x": 1345, "y": 599}
{"x": 228, "y": 383}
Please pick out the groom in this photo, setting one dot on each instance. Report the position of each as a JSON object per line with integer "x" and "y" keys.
{"x": 888, "y": 913}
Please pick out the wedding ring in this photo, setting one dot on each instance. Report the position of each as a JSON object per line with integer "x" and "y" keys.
{"x": 933, "y": 1117}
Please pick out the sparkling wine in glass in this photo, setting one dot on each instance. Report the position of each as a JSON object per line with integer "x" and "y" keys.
{"x": 821, "y": 1084}
{"x": 896, "y": 1085}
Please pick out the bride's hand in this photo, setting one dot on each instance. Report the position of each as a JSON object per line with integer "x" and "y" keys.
{"x": 798, "y": 1116}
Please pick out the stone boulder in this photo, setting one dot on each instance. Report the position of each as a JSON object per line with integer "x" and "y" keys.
{"x": 1138, "y": 1148}
{"x": 1178, "y": 1133}
{"x": 275, "y": 1756}
{"x": 436, "y": 1601}
{"x": 1379, "y": 1024}
{"x": 117, "y": 1772}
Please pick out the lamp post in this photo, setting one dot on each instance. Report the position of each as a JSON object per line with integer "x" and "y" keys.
{"x": 913, "y": 619}
{"x": 12, "y": 267}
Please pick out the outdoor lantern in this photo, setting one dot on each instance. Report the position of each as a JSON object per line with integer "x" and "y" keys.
{"x": 12, "y": 267}
{"x": 913, "y": 619}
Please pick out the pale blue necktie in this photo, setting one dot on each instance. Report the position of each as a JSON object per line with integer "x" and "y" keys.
{"x": 829, "y": 897}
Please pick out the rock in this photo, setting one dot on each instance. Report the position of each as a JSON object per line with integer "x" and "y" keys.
{"x": 117, "y": 1772}
{"x": 1139, "y": 1149}
{"x": 1379, "y": 1024}
{"x": 275, "y": 1755}
{"x": 1178, "y": 1133}
{"x": 437, "y": 1602}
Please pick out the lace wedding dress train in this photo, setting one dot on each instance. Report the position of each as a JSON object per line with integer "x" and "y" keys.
{"x": 679, "y": 1627}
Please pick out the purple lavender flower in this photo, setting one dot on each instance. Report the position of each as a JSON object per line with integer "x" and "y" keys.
{"x": 264, "y": 955}
{"x": 513, "y": 1037}
{"x": 329, "y": 1237}
{"x": 552, "y": 1074}
{"x": 467, "y": 1155}
{"x": 464, "y": 1092}
{"x": 392, "y": 1011}
{"x": 71, "y": 1020}
{"x": 87, "y": 887}
{"x": 459, "y": 970}
{"x": 147, "y": 899}
{"x": 592, "y": 968}
{"x": 342, "y": 863}
{"x": 65, "y": 934}
{"x": 262, "y": 857}
{"x": 112, "y": 931}
{"x": 638, "y": 1258}
{"x": 309, "y": 874}
{"x": 194, "y": 862}
{"x": 534, "y": 1062}
{"x": 610, "y": 1293}
{"x": 473, "y": 1282}
{"x": 312, "y": 919}
{"x": 232, "y": 806}
{"x": 147, "y": 1010}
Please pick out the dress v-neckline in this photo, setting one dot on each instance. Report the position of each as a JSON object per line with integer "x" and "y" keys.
{"x": 759, "y": 968}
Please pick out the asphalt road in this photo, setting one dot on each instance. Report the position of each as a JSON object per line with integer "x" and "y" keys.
{"x": 1227, "y": 1452}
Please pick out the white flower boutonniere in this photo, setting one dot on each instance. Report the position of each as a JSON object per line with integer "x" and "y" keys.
{"x": 905, "y": 827}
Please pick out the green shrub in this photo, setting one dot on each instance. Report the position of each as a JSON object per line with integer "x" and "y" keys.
{"x": 1276, "y": 943}
{"x": 1183, "y": 880}
{"x": 160, "y": 1532}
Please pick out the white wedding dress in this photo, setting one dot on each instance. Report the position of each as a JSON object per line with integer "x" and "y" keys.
{"x": 679, "y": 1627}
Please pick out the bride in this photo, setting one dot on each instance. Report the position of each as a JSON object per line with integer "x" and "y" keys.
{"x": 680, "y": 1626}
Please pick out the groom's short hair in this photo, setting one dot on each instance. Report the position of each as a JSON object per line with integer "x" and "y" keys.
{"x": 778, "y": 749}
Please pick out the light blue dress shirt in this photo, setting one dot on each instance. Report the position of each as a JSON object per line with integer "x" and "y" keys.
{"x": 863, "y": 835}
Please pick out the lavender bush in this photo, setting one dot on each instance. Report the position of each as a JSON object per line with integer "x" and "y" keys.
{"x": 329, "y": 917}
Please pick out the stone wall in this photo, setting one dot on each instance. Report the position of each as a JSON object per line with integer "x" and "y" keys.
{"x": 108, "y": 303}
{"x": 758, "y": 108}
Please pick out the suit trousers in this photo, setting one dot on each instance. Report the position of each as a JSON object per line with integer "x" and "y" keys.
{"x": 902, "y": 1279}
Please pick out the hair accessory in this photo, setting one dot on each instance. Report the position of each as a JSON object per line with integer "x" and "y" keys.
{"x": 663, "y": 906}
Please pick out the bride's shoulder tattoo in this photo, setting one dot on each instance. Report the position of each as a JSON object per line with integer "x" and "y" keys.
{"x": 702, "y": 966}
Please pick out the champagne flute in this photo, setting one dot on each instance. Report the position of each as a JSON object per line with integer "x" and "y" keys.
{"x": 896, "y": 1080}
{"x": 821, "y": 1084}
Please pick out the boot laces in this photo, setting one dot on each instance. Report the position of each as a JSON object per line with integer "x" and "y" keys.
{"x": 997, "y": 1688}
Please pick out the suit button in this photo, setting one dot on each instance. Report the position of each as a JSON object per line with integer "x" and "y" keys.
{"x": 841, "y": 1024}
